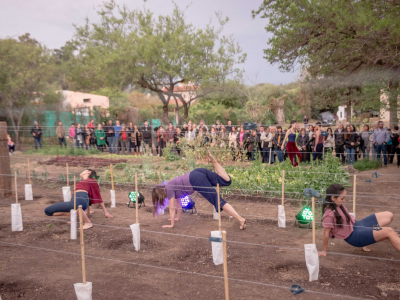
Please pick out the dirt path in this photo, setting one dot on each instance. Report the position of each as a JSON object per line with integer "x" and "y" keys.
{"x": 277, "y": 260}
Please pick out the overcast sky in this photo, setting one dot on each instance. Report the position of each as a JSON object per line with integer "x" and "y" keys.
{"x": 50, "y": 22}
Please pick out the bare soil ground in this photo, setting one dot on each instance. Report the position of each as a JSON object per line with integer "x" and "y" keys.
{"x": 117, "y": 271}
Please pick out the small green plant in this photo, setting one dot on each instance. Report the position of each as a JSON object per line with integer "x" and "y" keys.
{"x": 169, "y": 154}
{"x": 34, "y": 174}
{"x": 49, "y": 226}
{"x": 366, "y": 164}
{"x": 120, "y": 166}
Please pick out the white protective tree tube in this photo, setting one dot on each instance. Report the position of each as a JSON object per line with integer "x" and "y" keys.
{"x": 16, "y": 217}
{"x": 281, "y": 216}
{"x": 136, "y": 236}
{"x": 312, "y": 261}
{"x": 353, "y": 214}
{"x": 83, "y": 291}
{"x": 28, "y": 192}
{"x": 112, "y": 192}
{"x": 74, "y": 223}
{"x": 215, "y": 214}
{"x": 66, "y": 190}
{"x": 217, "y": 249}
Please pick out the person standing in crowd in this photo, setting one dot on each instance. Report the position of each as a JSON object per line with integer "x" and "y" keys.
{"x": 223, "y": 137}
{"x": 272, "y": 151}
{"x": 36, "y": 132}
{"x": 232, "y": 138}
{"x": 319, "y": 142}
{"x": 91, "y": 124}
{"x": 263, "y": 135}
{"x": 104, "y": 126}
{"x": 136, "y": 139}
{"x": 117, "y": 128}
{"x": 328, "y": 141}
{"x": 190, "y": 136}
{"x": 170, "y": 134}
{"x": 100, "y": 137}
{"x": 194, "y": 128}
{"x": 61, "y": 132}
{"x": 177, "y": 140}
{"x": 253, "y": 144}
{"x": 87, "y": 136}
{"x": 79, "y": 136}
{"x": 270, "y": 145}
{"x": 71, "y": 134}
{"x": 291, "y": 147}
{"x": 350, "y": 141}
{"x": 302, "y": 143}
{"x": 124, "y": 136}
{"x": 184, "y": 128}
{"x": 371, "y": 142}
{"x": 305, "y": 121}
{"x": 381, "y": 137}
{"x": 217, "y": 126}
{"x": 130, "y": 130}
{"x": 156, "y": 139}
{"x": 278, "y": 141}
{"x": 395, "y": 146}
{"x": 389, "y": 145}
{"x": 229, "y": 126}
{"x": 11, "y": 145}
{"x": 358, "y": 148}
{"x": 205, "y": 128}
{"x": 110, "y": 135}
{"x": 339, "y": 142}
{"x": 146, "y": 133}
{"x": 202, "y": 138}
{"x": 213, "y": 136}
{"x": 364, "y": 141}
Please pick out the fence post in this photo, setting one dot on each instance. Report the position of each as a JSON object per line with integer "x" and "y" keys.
{"x": 5, "y": 167}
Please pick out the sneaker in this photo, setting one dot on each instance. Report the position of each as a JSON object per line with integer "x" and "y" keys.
{"x": 9, "y": 153}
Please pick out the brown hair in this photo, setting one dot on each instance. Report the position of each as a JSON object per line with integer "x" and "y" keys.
{"x": 158, "y": 195}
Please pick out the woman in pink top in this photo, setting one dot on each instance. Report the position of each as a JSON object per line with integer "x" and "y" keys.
{"x": 71, "y": 133}
{"x": 338, "y": 223}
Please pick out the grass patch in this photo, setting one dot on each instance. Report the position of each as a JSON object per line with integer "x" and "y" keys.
{"x": 57, "y": 150}
{"x": 366, "y": 164}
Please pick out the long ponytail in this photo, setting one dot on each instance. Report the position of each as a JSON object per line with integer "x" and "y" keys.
{"x": 158, "y": 196}
{"x": 335, "y": 190}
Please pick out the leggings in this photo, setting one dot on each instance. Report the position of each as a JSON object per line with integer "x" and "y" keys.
{"x": 82, "y": 198}
{"x": 203, "y": 181}
{"x": 292, "y": 151}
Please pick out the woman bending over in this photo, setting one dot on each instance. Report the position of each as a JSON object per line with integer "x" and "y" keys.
{"x": 87, "y": 193}
{"x": 200, "y": 180}
{"x": 338, "y": 223}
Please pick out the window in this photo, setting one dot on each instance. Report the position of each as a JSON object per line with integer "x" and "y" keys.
{"x": 86, "y": 100}
{"x": 84, "y": 111}
{"x": 341, "y": 115}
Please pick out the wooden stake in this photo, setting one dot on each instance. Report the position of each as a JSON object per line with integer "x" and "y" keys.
{"x": 15, "y": 186}
{"x": 354, "y": 194}
{"x": 82, "y": 246}
{"x": 112, "y": 178}
{"x": 225, "y": 265}
{"x": 159, "y": 176}
{"x": 137, "y": 200}
{"x": 29, "y": 172}
{"x": 219, "y": 208}
{"x": 283, "y": 188}
{"x": 313, "y": 220}
{"x": 74, "y": 194}
{"x": 67, "y": 176}
{"x": 270, "y": 154}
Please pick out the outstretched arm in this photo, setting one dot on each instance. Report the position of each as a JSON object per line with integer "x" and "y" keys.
{"x": 325, "y": 242}
{"x": 171, "y": 213}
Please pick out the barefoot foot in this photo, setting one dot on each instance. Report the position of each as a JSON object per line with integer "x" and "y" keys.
{"x": 87, "y": 226}
{"x": 366, "y": 249}
{"x": 243, "y": 224}
{"x": 176, "y": 219}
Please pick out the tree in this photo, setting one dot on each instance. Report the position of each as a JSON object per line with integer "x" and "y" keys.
{"x": 353, "y": 43}
{"x": 129, "y": 48}
{"x": 27, "y": 73}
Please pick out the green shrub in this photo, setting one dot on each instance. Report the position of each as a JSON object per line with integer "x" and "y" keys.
{"x": 366, "y": 164}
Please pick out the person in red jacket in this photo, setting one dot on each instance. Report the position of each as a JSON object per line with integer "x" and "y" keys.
{"x": 87, "y": 193}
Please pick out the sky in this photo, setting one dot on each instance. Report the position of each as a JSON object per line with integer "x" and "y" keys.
{"x": 51, "y": 23}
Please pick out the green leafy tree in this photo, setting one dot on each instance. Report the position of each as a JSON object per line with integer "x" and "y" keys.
{"x": 27, "y": 78}
{"x": 353, "y": 43}
{"x": 132, "y": 48}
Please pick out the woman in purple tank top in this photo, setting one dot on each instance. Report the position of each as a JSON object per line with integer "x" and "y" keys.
{"x": 201, "y": 180}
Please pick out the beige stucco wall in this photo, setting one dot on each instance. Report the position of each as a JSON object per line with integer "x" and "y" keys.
{"x": 74, "y": 100}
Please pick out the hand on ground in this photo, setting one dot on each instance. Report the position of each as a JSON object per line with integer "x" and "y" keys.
{"x": 108, "y": 215}
{"x": 167, "y": 226}
{"x": 322, "y": 253}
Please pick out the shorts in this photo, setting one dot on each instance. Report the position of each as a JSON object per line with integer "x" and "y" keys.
{"x": 363, "y": 232}
{"x": 204, "y": 181}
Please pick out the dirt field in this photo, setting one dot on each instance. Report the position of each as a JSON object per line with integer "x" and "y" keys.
{"x": 119, "y": 272}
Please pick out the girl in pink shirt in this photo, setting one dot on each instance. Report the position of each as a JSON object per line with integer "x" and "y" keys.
{"x": 338, "y": 223}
